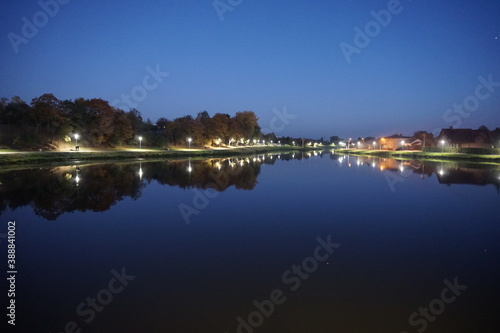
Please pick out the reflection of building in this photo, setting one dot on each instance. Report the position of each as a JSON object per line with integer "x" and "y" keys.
{"x": 466, "y": 138}
{"x": 389, "y": 164}
{"x": 470, "y": 176}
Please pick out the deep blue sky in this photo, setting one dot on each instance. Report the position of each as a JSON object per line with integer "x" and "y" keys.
{"x": 265, "y": 55}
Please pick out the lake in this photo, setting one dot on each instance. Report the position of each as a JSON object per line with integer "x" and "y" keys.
{"x": 304, "y": 242}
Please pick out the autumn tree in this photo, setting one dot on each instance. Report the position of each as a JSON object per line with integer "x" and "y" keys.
{"x": 101, "y": 126}
{"x": 218, "y": 127}
{"x": 47, "y": 112}
{"x": 14, "y": 112}
{"x": 247, "y": 123}
{"x": 136, "y": 121}
{"x": 123, "y": 130}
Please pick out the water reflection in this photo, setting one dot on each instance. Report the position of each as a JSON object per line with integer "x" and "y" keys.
{"x": 54, "y": 191}
{"x": 448, "y": 173}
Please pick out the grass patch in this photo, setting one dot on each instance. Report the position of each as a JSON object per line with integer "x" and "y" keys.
{"x": 14, "y": 157}
{"x": 420, "y": 155}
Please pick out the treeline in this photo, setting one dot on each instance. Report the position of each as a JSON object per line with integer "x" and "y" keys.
{"x": 48, "y": 122}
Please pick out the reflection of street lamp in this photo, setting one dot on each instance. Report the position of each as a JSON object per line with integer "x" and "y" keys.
{"x": 189, "y": 143}
{"x": 442, "y": 146}
{"x": 77, "y": 178}
{"x": 140, "y": 142}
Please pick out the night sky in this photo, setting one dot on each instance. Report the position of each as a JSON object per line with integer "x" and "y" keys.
{"x": 412, "y": 66}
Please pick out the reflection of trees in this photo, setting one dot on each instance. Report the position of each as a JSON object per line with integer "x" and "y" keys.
{"x": 52, "y": 192}
{"x": 218, "y": 174}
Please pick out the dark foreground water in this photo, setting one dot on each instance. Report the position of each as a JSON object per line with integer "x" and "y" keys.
{"x": 274, "y": 243}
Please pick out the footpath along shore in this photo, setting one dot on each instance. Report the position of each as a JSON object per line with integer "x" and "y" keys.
{"x": 12, "y": 157}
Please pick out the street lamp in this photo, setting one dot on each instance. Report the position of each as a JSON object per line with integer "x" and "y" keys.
{"x": 293, "y": 143}
{"x": 76, "y": 138}
{"x": 402, "y": 144}
{"x": 140, "y": 142}
{"x": 189, "y": 143}
{"x": 374, "y": 143}
{"x": 442, "y": 146}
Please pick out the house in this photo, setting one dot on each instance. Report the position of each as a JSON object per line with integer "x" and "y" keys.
{"x": 396, "y": 141}
{"x": 495, "y": 137}
{"x": 465, "y": 138}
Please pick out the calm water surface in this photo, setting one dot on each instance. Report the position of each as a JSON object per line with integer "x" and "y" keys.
{"x": 268, "y": 243}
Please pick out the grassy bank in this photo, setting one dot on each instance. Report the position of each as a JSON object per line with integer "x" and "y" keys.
{"x": 19, "y": 157}
{"x": 420, "y": 155}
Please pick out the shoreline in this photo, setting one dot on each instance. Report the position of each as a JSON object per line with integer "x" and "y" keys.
{"x": 422, "y": 155}
{"x": 13, "y": 158}
{"x": 33, "y": 157}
